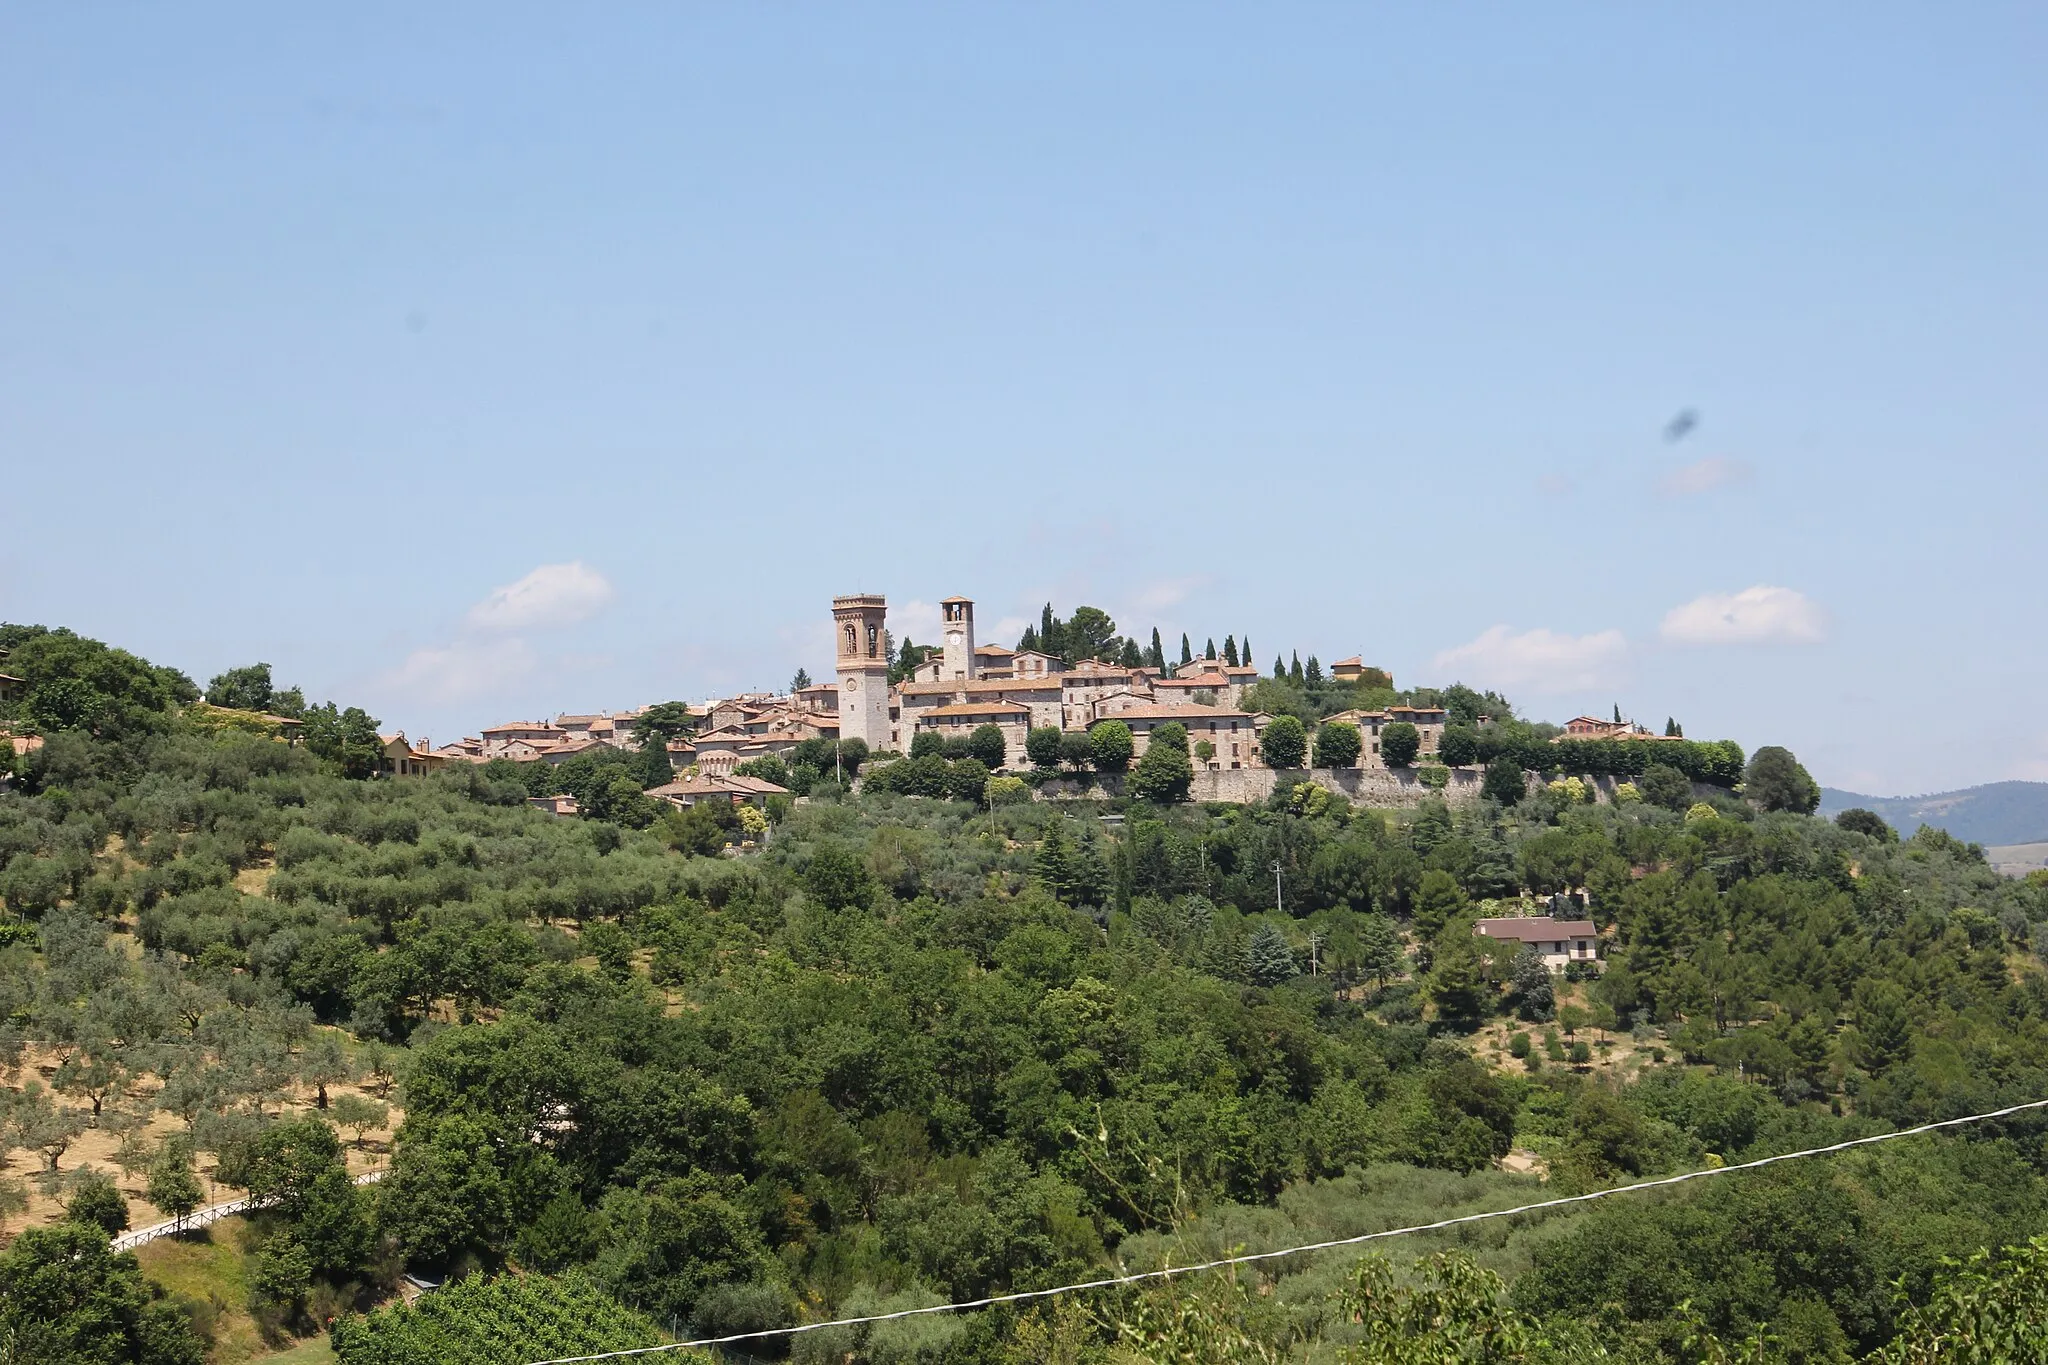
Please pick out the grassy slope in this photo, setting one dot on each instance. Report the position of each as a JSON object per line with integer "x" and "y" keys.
{"x": 208, "y": 1266}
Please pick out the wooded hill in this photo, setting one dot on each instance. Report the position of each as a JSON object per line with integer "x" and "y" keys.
{"x": 915, "y": 1050}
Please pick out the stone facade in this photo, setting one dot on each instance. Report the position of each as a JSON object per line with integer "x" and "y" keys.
{"x": 860, "y": 631}
{"x": 958, "y": 657}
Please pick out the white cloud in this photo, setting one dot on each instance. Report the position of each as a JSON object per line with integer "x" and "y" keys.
{"x": 552, "y": 595}
{"x": 919, "y": 622}
{"x": 1166, "y": 593}
{"x": 1704, "y": 476}
{"x": 1555, "y": 486}
{"x": 1537, "y": 661}
{"x": 1762, "y": 615}
{"x": 463, "y": 671}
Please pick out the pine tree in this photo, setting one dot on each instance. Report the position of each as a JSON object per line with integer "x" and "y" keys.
{"x": 1672, "y": 729}
{"x": 800, "y": 681}
{"x": 1315, "y": 669}
{"x": 1230, "y": 650}
{"x": 1028, "y": 640}
{"x": 1268, "y": 961}
{"x": 1157, "y": 655}
{"x": 1186, "y": 655}
{"x": 1279, "y": 667}
{"x": 1295, "y": 672}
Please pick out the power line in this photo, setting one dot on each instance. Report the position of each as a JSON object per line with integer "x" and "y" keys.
{"x": 1114, "y": 1281}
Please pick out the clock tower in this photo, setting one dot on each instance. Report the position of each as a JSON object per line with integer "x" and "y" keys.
{"x": 859, "y": 626}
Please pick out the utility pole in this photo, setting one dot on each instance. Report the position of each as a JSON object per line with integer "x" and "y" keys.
{"x": 1279, "y": 900}
{"x": 1315, "y": 941}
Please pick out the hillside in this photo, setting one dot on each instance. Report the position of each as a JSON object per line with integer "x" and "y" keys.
{"x": 1995, "y": 813}
{"x": 894, "y": 1050}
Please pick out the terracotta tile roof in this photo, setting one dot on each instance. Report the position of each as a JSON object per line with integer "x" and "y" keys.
{"x": 1536, "y": 927}
{"x": 1199, "y": 680}
{"x": 948, "y": 601}
{"x": 717, "y": 784}
{"x": 1353, "y": 662}
{"x": 978, "y": 708}
{"x": 1170, "y": 711}
{"x": 995, "y": 649}
{"x": 995, "y": 686}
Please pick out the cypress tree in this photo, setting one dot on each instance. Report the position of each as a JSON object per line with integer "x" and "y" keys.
{"x": 1157, "y": 656}
{"x": 1209, "y": 648}
{"x": 1315, "y": 669}
{"x": 1279, "y": 667}
{"x": 1295, "y": 672}
{"x": 1230, "y": 650}
{"x": 1186, "y": 655}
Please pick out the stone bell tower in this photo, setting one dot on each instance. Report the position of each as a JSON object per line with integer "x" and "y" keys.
{"x": 858, "y": 624}
{"x": 959, "y": 651}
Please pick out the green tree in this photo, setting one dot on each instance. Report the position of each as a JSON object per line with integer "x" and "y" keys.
{"x": 96, "y": 1200}
{"x": 800, "y": 681}
{"x": 1090, "y": 634}
{"x": 67, "y": 1299}
{"x": 1399, "y": 743}
{"x": 1042, "y": 746}
{"x": 243, "y": 689}
{"x": 347, "y": 738}
{"x": 173, "y": 1188}
{"x": 1284, "y": 742}
{"x": 331, "y": 1224}
{"x": 1187, "y": 653}
{"x": 1503, "y": 781}
{"x": 1268, "y": 961}
{"x": 1338, "y": 744}
{"x": 1459, "y": 745}
{"x": 1230, "y": 650}
{"x": 1165, "y": 773}
{"x": 1447, "y": 1310}
{"x": 1155, "y": 656}
{"x": 986, "y": 744}
{"x": 445, "y": 1194}
{"x": 1077, "y": 749}
{"x": 1774, "y": 780}
{"x": 359, "y": 1113}
{"x": 1110, "y": 746}
{"x": 1867, "y": 823}
{"x": 1663, "y": 785}
{"x": 837, "y": 878}
{"x": 1457, "y": 978}
{"x": 1379, "y": 948}
{"x": 662, "y": 722}
{"x": 927, "y": 744}
{"x": 1438, "y": 899}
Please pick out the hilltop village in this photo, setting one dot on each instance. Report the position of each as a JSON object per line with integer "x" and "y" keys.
{"x": 1033, "y": 709}
{"x": 959, "y": 686}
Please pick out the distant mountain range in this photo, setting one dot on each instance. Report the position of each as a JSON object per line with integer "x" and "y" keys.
{"x": 1994, "y": 814}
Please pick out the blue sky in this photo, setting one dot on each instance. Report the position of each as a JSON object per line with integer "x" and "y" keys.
{"x": 1354, "y": 328}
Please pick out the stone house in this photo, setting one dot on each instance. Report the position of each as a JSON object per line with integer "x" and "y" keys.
{"x": 1235, "y": 734}
{"x": 962, "y": 719}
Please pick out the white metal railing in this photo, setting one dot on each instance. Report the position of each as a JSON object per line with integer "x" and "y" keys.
{"x": 212, "y": 1213}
